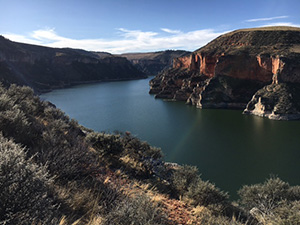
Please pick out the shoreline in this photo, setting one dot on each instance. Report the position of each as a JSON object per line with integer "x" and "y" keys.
{"x": 72, "y": 84}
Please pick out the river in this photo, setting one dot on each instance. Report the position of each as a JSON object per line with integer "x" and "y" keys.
{"x": 229, "y": 148}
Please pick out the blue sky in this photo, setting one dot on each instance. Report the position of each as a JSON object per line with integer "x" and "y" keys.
{"x": 118, "y": 26}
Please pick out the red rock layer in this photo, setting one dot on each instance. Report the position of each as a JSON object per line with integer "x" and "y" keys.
{"x": 261, "y": 67}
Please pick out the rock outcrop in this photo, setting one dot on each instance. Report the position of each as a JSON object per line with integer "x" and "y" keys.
{"x": 234, "y": 68}
{"x": 45, "y": 68}
{"x": 152, "y": 63}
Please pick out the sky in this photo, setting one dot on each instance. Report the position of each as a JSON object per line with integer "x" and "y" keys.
{"x": 122, "y": 26}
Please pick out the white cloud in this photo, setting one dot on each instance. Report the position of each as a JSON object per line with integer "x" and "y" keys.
{"x": 137, "y": 34}
{"x": 281, "y": 24}
{"x": 21, "y": 38}
{"x": 127, "y": 41}
{"x": 266, "y": 19}
{"x": 170, "y": 31}
{"x": 46, "y": 35}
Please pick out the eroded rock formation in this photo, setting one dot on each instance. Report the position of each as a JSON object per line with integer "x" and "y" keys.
{"x": 228, "y": 72}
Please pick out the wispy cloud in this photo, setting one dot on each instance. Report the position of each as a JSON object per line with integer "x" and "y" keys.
{"x": 170, "y": 31}
{"x": 126, "y": 41}
{"x": 266, "y": 19}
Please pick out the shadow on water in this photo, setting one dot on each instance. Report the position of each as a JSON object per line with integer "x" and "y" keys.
{"x": 229, "y": 148}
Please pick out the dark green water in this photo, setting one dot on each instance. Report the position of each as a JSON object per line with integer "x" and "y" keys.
{"x": 229, "y": 148}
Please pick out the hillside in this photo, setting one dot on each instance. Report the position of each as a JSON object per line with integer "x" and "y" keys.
{"x": 54, "y": 171}
{"x": 44, "y": 68}
{"x": 229, "y": 71}
{"x": 152, "y": 63}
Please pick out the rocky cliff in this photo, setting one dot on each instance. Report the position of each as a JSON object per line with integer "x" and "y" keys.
{"x": 47, "y": 68}
{"x": 152, "y": 63}
{"x": 245, "y": 69}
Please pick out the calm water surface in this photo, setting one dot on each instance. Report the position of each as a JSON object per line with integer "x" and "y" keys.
{"x": 229, "y": 148}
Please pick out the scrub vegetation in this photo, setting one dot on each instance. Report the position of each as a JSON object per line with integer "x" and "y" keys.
{"x": 54, "y": 171}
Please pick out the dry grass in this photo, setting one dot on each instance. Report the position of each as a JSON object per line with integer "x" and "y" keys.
{"x": 295, "y": 49}
{"x": 269, "y": 28}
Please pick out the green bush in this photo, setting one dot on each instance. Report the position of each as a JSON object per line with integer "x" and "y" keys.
{"x": 25, "y": 196}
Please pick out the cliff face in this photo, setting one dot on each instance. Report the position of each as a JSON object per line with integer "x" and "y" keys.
{"x": 228, "y": 71}
{"x": 152, "y": 63}
{"x": 45, "y": 68}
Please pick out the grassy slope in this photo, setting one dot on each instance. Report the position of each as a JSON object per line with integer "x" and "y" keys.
{"x": 52, "y": 170}
{"x": 271, "y": 40}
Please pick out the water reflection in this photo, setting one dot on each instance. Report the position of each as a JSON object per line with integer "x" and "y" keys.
{"x": 229, "y": 148}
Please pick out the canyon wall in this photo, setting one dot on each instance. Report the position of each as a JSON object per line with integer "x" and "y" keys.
{"x": 259, "y": 67}
{"x": 227, "y": 72}
{"x": 45, "y": 69}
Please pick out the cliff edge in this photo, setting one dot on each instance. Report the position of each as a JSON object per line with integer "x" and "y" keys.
{"x": 244, "y": 69}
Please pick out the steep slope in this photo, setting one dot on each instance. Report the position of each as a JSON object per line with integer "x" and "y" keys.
{"x": 229, "y": 70}
{"x": 55, "y": 171}
{"x": 46, "y": 68}
{"x": 152, "y": 63}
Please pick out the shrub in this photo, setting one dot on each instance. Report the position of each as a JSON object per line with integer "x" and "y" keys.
{"x": 265, "y": 197}
{"x": 14, "y": 123}
{"x": 67, "y": 157}
{"x": 273, "y": 202}
{"x": 25, "y": 196}
{"x": 140, "y": 149}
{"x": 286, "y": 214}
{"x": 86, "y": 199}
{"x": 135, "y": 157}
{"x": 24, "y": 98}
{"x": 52, "y": 113}
{"x": 186, "y": 183}
{"x": 182, "y": 178}
{"x": 5, "y": 102}
{"x": 208, "y": 218}
{"x": 17, "y": 110}
{"x": 205, "y": 193}
{"x": 137, "y": 210}
{"x": 105, "y": 144}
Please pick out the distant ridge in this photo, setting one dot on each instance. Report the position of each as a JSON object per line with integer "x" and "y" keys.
{"x": 45, "y": 68}
{"x": 152, "y": 63}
